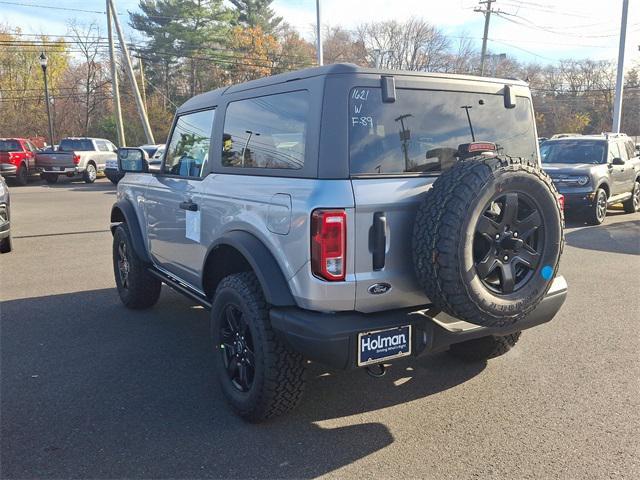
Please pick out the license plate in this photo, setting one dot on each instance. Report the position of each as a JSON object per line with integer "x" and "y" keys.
{"x": 380, "y": 345}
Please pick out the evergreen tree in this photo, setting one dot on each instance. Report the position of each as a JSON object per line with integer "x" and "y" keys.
{"x": 258, "y": 13}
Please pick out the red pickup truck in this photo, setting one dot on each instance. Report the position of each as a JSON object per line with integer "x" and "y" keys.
{"x": 17, "y": 159}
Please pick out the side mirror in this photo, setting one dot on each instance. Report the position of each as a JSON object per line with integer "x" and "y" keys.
{"x": 617, "y": 161}
{"x": 133, "y": 160}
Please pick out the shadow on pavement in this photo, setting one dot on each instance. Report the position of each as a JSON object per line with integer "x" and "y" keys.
{"x": 93, "y": 390}
{"x": 623, "y": 237}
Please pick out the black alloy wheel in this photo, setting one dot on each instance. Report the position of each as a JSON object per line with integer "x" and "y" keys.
{"x": 508, "y": 242}
{"x": 236, "y": 347}
{"x": 123, "y": 264}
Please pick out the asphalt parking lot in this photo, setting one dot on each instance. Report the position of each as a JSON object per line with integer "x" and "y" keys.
{"x": 92, "y": 390}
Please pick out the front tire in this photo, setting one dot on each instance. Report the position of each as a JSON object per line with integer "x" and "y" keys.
{"x": 484, "y": 348}
{"x": 598, "y": 212}
{"x": 90, "y": 174}
{"x": 633, "y": 204}
{"x": 137, "y": 288}
{"x": 5, "y": 245}
{"x": 260, "y": 376}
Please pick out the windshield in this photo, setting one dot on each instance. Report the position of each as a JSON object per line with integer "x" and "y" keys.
{"x": 421, "y": 131}
{"x": 10, "y": 146}
{"x": 574, "y": 151}
{"x": 68, "y": 145}
{"x": 151, "y": 150}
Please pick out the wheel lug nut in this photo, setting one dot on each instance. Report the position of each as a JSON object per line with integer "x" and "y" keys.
{"x": 515, "y": 234}
{"x": 506, "y": 258}
{"x": 497, "y": 236}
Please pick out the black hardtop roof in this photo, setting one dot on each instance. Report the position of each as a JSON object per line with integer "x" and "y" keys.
{"x": 209, "y": 99}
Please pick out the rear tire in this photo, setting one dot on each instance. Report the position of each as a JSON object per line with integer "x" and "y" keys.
{"x": 22, "y": 175}
{"x": 137, "y": 288}
{"x": 484, "y": 348}
{"x": 633, "y": 204}
{"x": 49, "y": 178}
{"x": 260, "y": 376}
{"x": 90, "y": 174}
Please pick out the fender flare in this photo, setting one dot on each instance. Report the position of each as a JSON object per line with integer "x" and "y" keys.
{"x": 123, "y": 212}
{"x": 272, "y": 280}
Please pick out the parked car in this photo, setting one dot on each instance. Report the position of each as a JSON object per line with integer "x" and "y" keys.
{"x": 76, "y": 156}
{"x": 5, "y": 217}
{"x": 313, "y": 230}
{"x": 593, "y": 172}
{"x": 17, "y": 159}
{"x": 111, "y": 168}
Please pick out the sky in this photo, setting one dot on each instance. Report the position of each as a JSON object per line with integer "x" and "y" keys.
{"x": 544, "y": 31}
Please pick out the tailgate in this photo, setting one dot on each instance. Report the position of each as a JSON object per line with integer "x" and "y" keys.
{"x": 58, "y": 159}
{"x": 385, "y": 211}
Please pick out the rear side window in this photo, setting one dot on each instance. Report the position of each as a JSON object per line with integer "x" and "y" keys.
{"x": 188, "y": 149}
{"x": 102, "y": 145}
{"x": 420, "y": 132}
{"x": 10, "y": 146}
{"x": 266, "y": 132}
{"x": 70, "y": 145}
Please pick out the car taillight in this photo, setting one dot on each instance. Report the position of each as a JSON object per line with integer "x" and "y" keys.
{"x": 76, "y": 159}
{"x": 561, "y": 201}
{"x": 14, "y": 157}
{"x": 329, "y": 244}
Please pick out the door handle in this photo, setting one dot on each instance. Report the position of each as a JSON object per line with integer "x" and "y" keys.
{"x": 379, "y": 240}
{"x": 192, "y": 207}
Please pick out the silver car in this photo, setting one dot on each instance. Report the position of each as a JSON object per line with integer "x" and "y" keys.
{"x": 346, "y": 216}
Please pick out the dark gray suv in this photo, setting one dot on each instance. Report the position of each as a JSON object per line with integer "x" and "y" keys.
{"x": 345, "y": 216}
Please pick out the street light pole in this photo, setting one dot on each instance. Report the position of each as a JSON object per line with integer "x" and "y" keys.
{"x": 617, "y": 105}
{"x": 319, "y": 34}
{"x": 43, "y": 63}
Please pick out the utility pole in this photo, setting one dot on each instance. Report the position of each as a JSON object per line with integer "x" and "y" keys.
{"x": 617, "y": 105}
{"x": 319, "y": 34}
{"x": 114, "y": 82}
{"x": 142, "y": 85}
{"x": 132, "y": 77}
{"x": 487, "y": 16}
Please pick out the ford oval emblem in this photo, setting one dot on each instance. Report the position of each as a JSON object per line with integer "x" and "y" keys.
{"x": 379, "y": 288}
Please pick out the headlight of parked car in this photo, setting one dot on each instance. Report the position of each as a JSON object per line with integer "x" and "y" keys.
{"x": 582, "y": 180}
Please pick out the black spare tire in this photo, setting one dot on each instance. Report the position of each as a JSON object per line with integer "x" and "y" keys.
{"x": 487, "y": 240}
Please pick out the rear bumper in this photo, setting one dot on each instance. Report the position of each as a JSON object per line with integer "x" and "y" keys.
{"x": 332, "y": 339}
{"x": 8, "y": 169}
{"x": 60, "y": 170}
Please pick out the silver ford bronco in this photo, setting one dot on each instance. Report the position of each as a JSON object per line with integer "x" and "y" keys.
{"x": 345, "y": 216}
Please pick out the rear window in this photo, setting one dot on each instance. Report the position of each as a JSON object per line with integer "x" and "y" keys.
{"x": 10, "y": 146}
{"x": 266, "y": 132}
{"x": 69, "y": 145}
{"x": 420, "y": 132}
{"x": 574, "y": 151}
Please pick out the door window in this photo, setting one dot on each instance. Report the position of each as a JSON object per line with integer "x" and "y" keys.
{"x": 102, "y": 146}
{"x": 188, "y": 149}
{"x": 614, "y": 152}
{"x": 623, "y": 151}
{"x": 266, "y": 132}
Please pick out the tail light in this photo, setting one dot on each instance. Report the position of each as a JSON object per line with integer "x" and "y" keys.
{"x": 14, "y": 157}
{"x": 561, "y": 201}
{"x": 76, "y": 159}
{"x": 329, "y": 244}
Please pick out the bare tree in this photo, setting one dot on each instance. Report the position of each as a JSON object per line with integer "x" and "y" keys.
{"x": 89, "y": 75}
{"x": 411, "y": 45}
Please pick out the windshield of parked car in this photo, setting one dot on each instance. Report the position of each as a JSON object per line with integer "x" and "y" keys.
{"x": 574, "y": 151}
{"x": 10, "y": 146}
{"x": 69, "y": 145}
{"x": 420, "y": 132}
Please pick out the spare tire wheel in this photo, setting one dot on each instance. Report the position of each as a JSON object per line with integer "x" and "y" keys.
{"x": 487, "y": 240}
